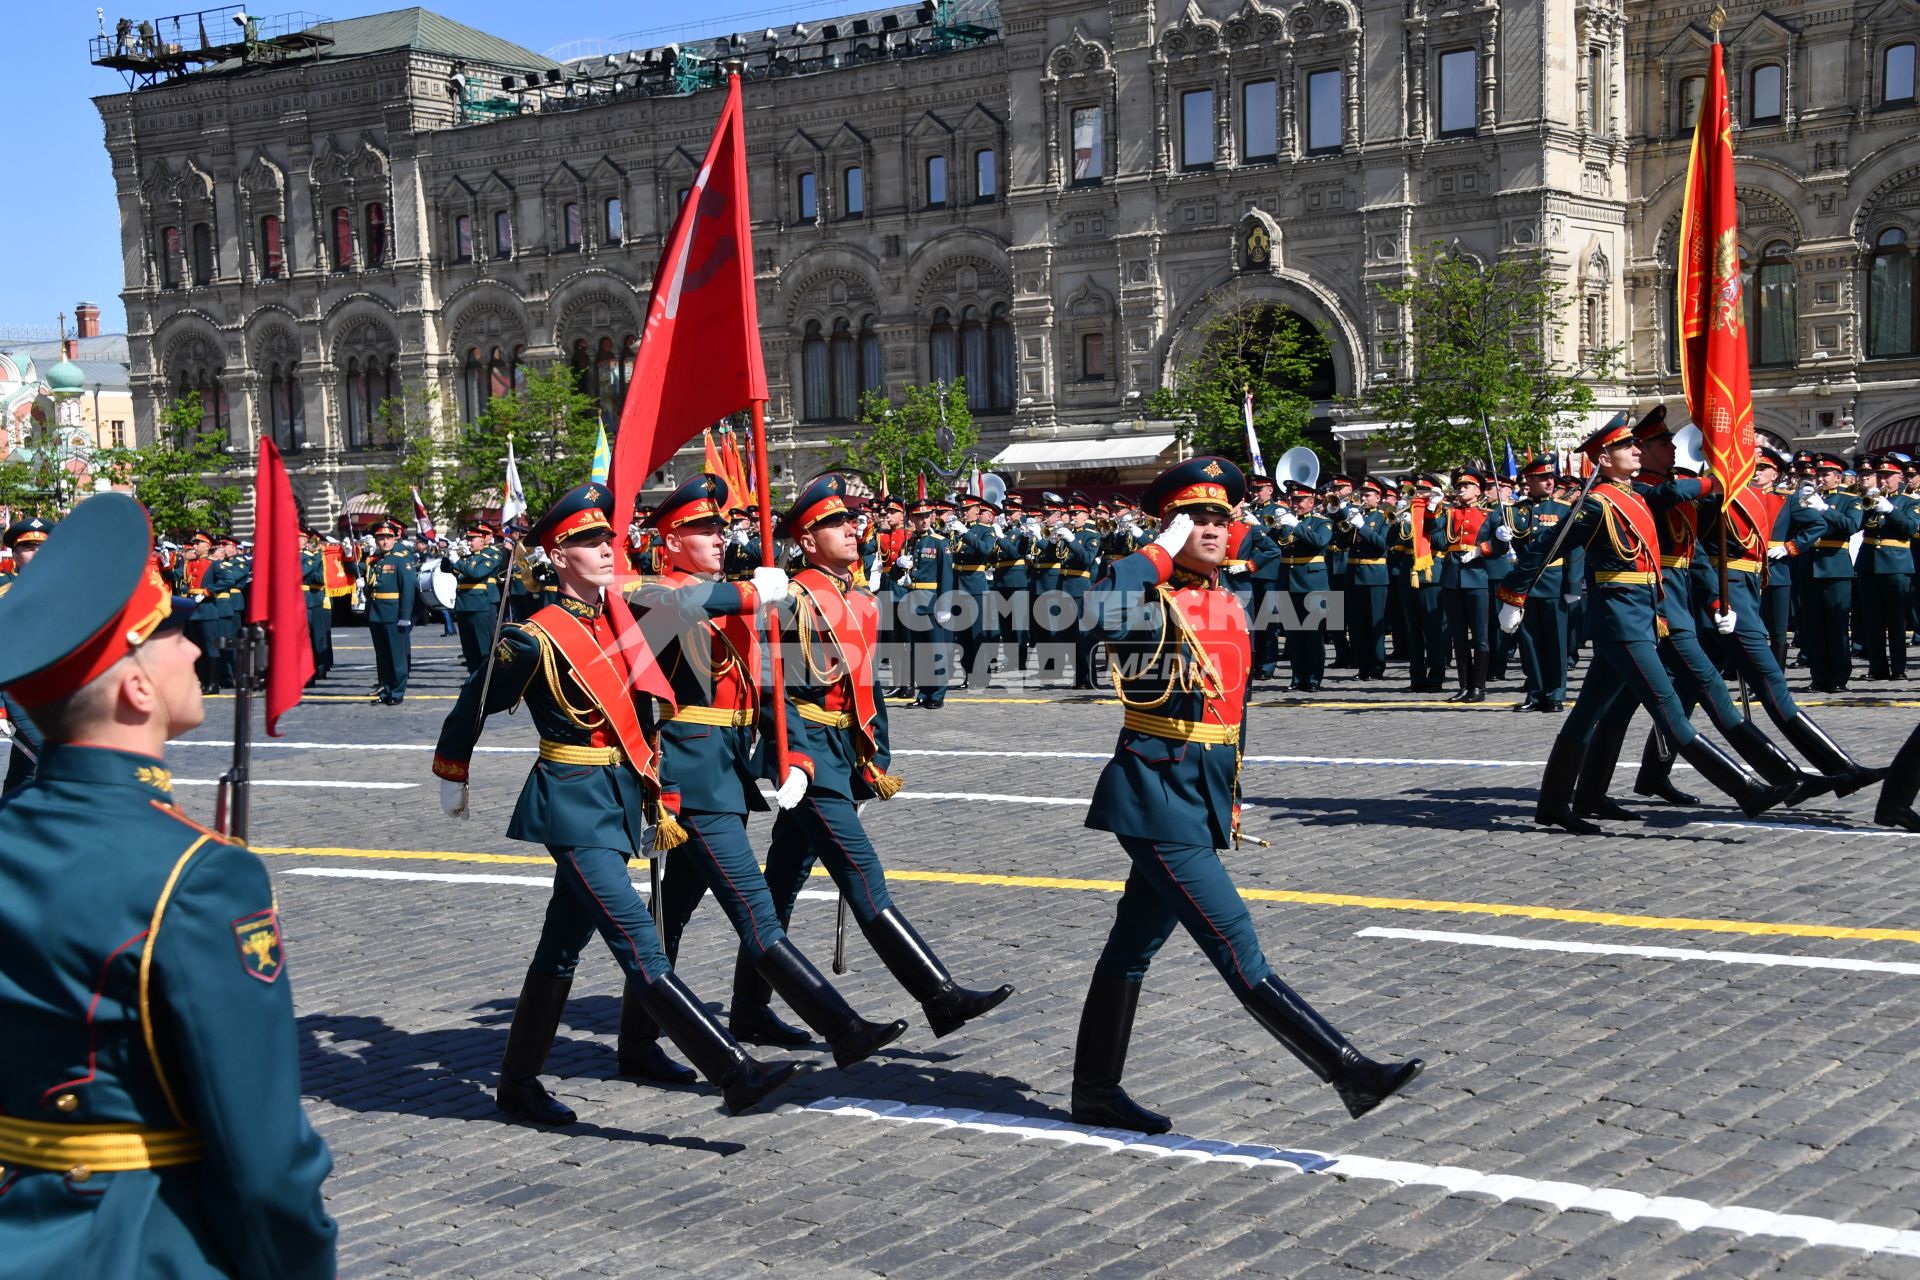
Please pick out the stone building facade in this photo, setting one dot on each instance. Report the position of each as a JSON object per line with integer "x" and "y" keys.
{"x": 1050, "y": 197}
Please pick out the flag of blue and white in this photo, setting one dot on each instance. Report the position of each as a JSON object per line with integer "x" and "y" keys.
{"x": 513, "y": 498}
{"x": 602, "y": 458}
{"x": 1253, "y": 441}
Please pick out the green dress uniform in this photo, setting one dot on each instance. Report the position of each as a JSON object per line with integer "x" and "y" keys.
{"x": 1511, "y": 516}
{"x": 1544, "y": 630}
{"x": 24, "y": 742}
{"x": 1269, "y": 581}
{"x": 1303, "y": 560}
{"x": 1886, "y": 584}
{"x": 1013, "y": 580}
{"x": 313, "y": 584}
{"x": 1466, "y": 542}
{"x": 150, "y": 1116}
{"x": 1051, "y": 618}
{"x": 1417, "y": 585}
{"x": 1170, "y": 794}
{"x": 973, "y": 551}
{"x": 1827, "y": 628}
{"x": 1366, "y": 596}
{"x": 392, "y": 581}
{"x": 925, "y": 613}
{"x": 477, "y": 602}
{"x": 586, "y": 799}
{"x": 1077, "y": 567}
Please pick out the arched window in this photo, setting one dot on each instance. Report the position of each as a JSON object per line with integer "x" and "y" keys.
{"x": 1775, "y": 315}
{"x": 816, "y": 396}
{"x": 214, "y": 416}
{"x": 1693, "y": 91}
{"x": 499, "y": 375}
{"x": 202, "y": 253}
{"x": 973, "y": 358}
{"x": 1766, "y": 98}
{"x": 871, "y": 376}
{"x": 607, "y": 381}
{"x": 376, "y": 235}
{"x": 1890, "y": 295}
{"x": 284, "y": 404}
{"x": 942, "y": 347}
{"x": 473, "y": 386}
{"x": 580, "y": 360}
{"x": 844, "y": 364}
{"x": 273, "y": 260}
{"x": 354, "y": 391}
{"x": 1000, "y": 358}
{"x": 343, "y": 239}
{"x": 1896, "y": 75}
{"x": 170, "y": 257}
{"x": 615, "y": 223}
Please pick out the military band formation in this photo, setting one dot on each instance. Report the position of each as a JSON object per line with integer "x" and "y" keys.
{"x": 150, "y": 1118}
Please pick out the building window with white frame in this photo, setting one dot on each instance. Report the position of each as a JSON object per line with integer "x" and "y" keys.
{"x": 1897, "y": 75}
{"x": 1459, "y": 91}
{"x": 1766, "y": 96}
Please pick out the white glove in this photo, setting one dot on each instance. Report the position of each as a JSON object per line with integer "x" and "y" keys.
{"x": 770, "y": 584}
{"x": 944, "y": 617}
{"x": 1175, "y": 535}
{"x": 1469, "y": 555}
{"x": 1571, "y": 598}
{"x": 1510, "y": 615}
{"x": 1287, "y": 520}
{"x": 1355, "y": 520}
{"x": 1238, "y": 568}
{"x": 405, "y": 624}
{"x": 1777, "y": 553}
{"x": 1816, "y": 503}
{"x": 1503, "y": 534}
{"x": 6, "y": 729}
{"x": 1882, "y": 505}
{"x": 1724, "y": 623}
{"x": 902, "y": 562}
{"x": 453, "y": 798}
{"x": 792, "y": 789}
{"x": 1000, "y": 525}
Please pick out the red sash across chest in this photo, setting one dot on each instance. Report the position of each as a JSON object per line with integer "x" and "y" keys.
{"x": 1462, "y": 524}
{"x": 1214, "y": 618}
{"x": 1634, "y": 513}
{"x": 736, "y": 638}
{"x": 850, "y": 623}
{"x": 599, "y": 668}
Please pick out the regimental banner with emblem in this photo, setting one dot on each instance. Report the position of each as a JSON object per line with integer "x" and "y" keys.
{"x": 1712, "y": 312}
{"x": 258, "y": 937}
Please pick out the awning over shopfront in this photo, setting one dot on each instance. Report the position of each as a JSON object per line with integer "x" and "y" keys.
{"x": 1083, "y": 455}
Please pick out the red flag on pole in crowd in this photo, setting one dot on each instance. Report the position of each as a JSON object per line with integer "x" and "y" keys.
{"x": 1712, "y": 315}
{"x": 278, "y": 599}
{"x": 422, "y": 522}
{"x": 712, "y": 464}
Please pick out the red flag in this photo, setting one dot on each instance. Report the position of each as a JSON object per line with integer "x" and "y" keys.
{"x": 422, "y": 522}
{"x": 699, "y": 357}
{"x": 1712, "y": 316}
{"x": 713, "y": 466}
{"x": 278, "y": 598}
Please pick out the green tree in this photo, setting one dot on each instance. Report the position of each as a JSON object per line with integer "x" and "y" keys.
{"x": 1256, "y": 346}
{"x": 928, "y": 433}
{"x": 414, "y": 422}
{"x": 1479, "y": 342}
{"x": 174, "y": 476}
{"x": 18, "y": 488}
{"x": 553, "y": 425}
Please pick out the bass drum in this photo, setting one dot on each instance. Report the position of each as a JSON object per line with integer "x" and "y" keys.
{"x": 438, "y": 585}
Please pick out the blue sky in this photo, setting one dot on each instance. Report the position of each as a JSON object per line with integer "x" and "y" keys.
{"x": 58, "y": 219}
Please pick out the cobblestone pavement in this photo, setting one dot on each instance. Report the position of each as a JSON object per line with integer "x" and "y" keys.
{"x": 1627, "y": 1107}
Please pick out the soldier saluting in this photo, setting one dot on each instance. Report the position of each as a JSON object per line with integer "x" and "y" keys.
{"x": 150, "y": 1119}
{"x": 1171, "y": 794}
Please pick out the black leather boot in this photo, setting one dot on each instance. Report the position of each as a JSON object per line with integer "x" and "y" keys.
{"x": 1362, "y": 1083}
{"x": 1811, "y": 741}
{"x": 1656, "y": 773}
{"x": 641, "y": 1056}
{"x": 535, "y": 1020}
{"x": 912, "y": 963}
{"x": 1903, "y": 783}
{"x": 1555, "y": 807}
{"x": 744, "y": 1082}
{"x": 1752, "y": 795}
{"x": 752, "y": 1018}
{"x": 822, "y": 1007}
{"x": 1463, "y": 663}
{"x": 1479, "y": 691}
{"x": 1595, "y": 771}
{"x": 1100, "y": 1056}
{"x": 1773, "y": 764}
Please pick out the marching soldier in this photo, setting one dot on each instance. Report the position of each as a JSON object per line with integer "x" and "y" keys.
{"x": 974, "y": 550}
{"x": 224, "y": 585}
{"x": 1891, "y": 522}
{"x": 1416, "y": 581}
{"x": 1049, "y": 596}
{"x": 1303, "y": 539}
{"x": 1077, "y": 567}
{"x": 1470, "y": 537}
{"x": 1171, "y": 796}
{"x": 23, "y": 538}
{"x": 1625, "y": 564}
{"x": 586, "y": 801}
{"x": 1774, "y": 497}
{"x": 1512, "y": 517}
{"x": 927, "y": 613}
{"x": 837, "y": 738}
{"x": 1543, "y": 631}
{"x": 477, "y": 600}
{"x": 1268, "y": 581}
{"x": 743, "y": 546}
{"x": 150, "y": 1116}
{"x": 1336, "y": 500}
{"x": 1828, "y": 624}
{"x": 392, "y": 581}
{"x": 1013, "y": 578}
{"x": 703, "y": 632}
{"x": 313, "y": 582}
{"x": 1364, "y": 533}
{"x": 1896, "y": 806}
{"x": 882, "y": 550}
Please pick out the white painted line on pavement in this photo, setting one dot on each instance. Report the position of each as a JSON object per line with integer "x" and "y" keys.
{"x": 1510, "y": 943}
{"x": 1620, "y": 1205}
{"x": 289, "y": 782}
{"x": 458, "y": 877}
{"x": 1809, "y": 830}
{"x": 971, "y": 796}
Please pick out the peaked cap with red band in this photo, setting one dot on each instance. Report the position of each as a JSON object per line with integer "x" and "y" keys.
{"x": 1618, "y": 431}
{"x": 1196, "y": 482}
{"x": 702, "y": 498}
{"x": 581, "y": 509}
{"x": 60, "y": 640}
{"x": 1653, "y": 426}
{"x": 820, "y": 498}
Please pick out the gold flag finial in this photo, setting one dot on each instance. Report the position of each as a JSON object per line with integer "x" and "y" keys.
{"x": 1717, "y": 19}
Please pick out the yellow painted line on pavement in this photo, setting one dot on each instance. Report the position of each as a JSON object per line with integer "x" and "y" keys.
{"x": 1573, "y": 915}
